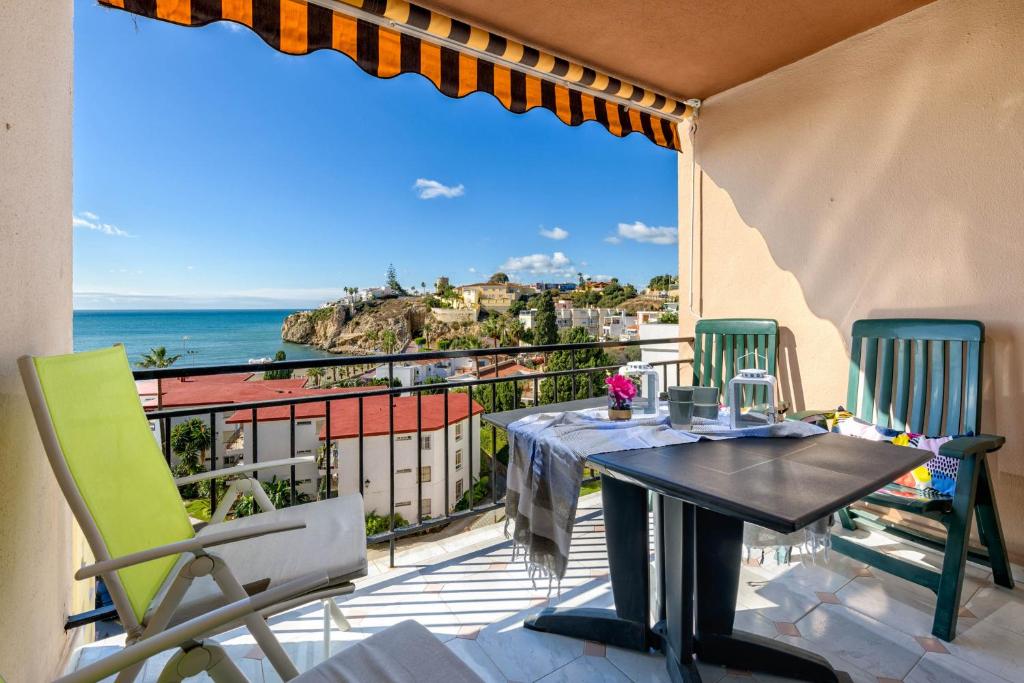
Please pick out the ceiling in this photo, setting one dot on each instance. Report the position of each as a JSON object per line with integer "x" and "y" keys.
{"x": 682, "y": 48}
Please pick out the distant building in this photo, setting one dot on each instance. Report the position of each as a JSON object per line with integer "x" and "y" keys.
{"x": 417, "y": 371}
{"x": 489, "y": 296}
{"x": 311, "y": 429}
{"x": 556, "y": 286}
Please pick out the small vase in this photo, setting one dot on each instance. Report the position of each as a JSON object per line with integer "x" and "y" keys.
{"x": 619, "y": 410}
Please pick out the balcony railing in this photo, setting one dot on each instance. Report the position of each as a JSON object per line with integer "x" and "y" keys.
{"x": 581, "y": 381}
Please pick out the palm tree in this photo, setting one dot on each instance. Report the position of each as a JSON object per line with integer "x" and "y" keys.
{"x": 315, "y": 374}
{"x": 512, "y": 333}
{"x": 493, "y": 327}
{"x": 157, "y": 358}
{"x": 389, "y": 342}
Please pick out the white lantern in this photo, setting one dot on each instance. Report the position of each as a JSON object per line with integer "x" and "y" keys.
{"x": 646, "y": 378}
{"x": 753, "y": 378}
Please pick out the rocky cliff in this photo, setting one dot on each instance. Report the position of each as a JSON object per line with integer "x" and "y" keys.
{"x": 342, "y": 329}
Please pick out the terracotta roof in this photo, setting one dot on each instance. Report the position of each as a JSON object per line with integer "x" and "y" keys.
{"x": 218, "y": 389}
{"x": 345, "y": 414}
{"x": 505, "y": 370}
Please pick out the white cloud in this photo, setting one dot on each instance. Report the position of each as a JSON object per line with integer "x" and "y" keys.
{"x": 91, "y": 221}
{"x": 190, "y": 267}
{"x": 472, "y": 269}
{"x": 612, "y": 239}
{"x": 555, "y": 233}
{"x": 540, "y": 264}
{"x": 639, "y": 232}
{"x": 431, "y": 189}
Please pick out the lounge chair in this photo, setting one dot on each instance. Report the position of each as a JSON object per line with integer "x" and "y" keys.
{"x": 158, "y": 570}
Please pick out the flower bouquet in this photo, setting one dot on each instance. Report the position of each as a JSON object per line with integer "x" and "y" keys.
{"x": 621, "y": 392}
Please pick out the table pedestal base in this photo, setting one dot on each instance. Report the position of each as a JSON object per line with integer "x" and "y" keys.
{"x": 699, "y": 554}
{"x": 601, "y": 625}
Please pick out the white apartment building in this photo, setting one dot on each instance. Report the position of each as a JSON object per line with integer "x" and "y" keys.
{"x": 419, "y": 477}
{"x": 414, "y": 372}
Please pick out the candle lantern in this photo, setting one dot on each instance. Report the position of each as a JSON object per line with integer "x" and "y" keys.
{"x": 646, "y": 378}
{"x": 756, "y": 416}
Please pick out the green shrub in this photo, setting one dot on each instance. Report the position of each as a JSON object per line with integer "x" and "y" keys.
{"x": 378, "y": 524}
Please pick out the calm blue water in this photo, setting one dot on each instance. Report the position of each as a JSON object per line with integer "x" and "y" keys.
{"x": 213, "y": 337}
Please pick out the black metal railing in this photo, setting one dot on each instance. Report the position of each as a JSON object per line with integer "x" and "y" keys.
{"x": 543, "y": 383}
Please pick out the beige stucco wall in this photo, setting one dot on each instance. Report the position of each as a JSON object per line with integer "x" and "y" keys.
{"x": 36, "y": 538}
{"x": 883, "y": 176}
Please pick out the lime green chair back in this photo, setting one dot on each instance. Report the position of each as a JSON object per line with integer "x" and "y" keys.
{"x": 724, "y": 346}
{"x": 916, "y": 374}
{"x": 115, "y": 463}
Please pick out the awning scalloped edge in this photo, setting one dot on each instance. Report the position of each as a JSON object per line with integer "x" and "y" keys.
{"x": 301, "y": 27}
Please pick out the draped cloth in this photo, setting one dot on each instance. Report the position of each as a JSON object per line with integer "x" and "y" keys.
{"x": 547, "y": 454}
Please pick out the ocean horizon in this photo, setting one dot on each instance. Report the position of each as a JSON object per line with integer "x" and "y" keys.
{"x": 200, "y": 336}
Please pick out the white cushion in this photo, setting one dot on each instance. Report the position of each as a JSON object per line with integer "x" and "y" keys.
{"x": 333, "y": 544}
{"x": 404, "y": 653}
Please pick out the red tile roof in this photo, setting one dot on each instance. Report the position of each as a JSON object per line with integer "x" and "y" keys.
{"x": 217, "y": 389}
{"x": 505, "y": 370}
{"x": 345, "y": 414}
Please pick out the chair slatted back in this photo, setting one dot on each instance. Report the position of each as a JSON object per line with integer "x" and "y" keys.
{"x": 918, "y": 375}
{"x": 722, "y": 347}
{"x": 108, "y": 464}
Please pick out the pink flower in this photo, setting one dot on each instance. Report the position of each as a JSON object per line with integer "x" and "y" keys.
{"x": 620, "y": 387}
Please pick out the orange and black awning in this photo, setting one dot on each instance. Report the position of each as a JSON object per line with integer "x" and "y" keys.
{"x": 391, "y": 37}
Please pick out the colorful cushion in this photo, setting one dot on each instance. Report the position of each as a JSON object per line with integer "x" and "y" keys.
{"x": 938, "y": 474}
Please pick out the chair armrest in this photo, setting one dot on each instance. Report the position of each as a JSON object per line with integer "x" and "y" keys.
{"x": 971, "y": 446}
{"x": 193, "y": 629}
{"x": 243, "y": 469}
{"x": 191, "y": 545}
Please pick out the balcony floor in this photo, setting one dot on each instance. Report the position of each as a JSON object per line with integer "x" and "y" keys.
{"x": 467, "y": 592}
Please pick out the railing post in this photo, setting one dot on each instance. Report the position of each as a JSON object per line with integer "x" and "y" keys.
{"x": 362, "y": 474}
{"x": 391, "y": 461}
{"x": 291, "y": 437}
{"x": 213, "y": 461}
{"x": 327, "y": 451}
{"x": 447, "y": 501}
{"x": 255, "y": 442}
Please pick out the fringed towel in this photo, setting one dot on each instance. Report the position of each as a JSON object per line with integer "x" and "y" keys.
{"x": 546, "y": 459}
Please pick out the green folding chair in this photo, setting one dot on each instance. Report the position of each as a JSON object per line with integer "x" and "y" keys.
{"x": 158, "y": 570}
{"x": 924, "y": 376}
{"x": 724, "y": 346}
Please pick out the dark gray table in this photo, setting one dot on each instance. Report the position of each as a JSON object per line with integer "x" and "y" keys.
{"x": 707, "y": 490}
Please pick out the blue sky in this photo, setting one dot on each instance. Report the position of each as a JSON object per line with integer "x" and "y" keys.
{"x": 212, "y": 171}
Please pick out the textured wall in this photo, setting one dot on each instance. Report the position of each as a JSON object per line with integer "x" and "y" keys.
{"x": 36, "y": 537}
{"x": 883, "y": 176}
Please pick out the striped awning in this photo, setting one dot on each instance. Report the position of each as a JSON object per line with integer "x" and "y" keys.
{"x": 391, "y": 37}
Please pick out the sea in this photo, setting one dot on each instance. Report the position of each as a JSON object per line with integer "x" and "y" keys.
{"x": 201, "y": 337}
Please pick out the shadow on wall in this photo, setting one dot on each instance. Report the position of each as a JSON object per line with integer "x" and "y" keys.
{"x": 884, "y": 174}
{"x": 790, "y": 385}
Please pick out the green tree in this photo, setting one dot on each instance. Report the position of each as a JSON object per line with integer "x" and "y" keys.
{"x": 391, "y": 280}
{"x": 545, "y": 328}
{"x": 498, "y": 279}
{"x": 278, "y": 490}
{"x": 189, "y": 441}
{"x": 378, "y": 524}
{"x": 669, "y": 318}
{"x": 315, "y": 374}
{"x": 512, "y": 332}
{"x": 278, "y": 374}
{"x": 389, "y": 342}
{"x": 434, "y": 379}
{"x": 663, "y": 283}
{"x": 157, "y": 358}
{"x": 579, "y": 280}
{"x": 587, "y": 384}
{"x": 493, "y": 327}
